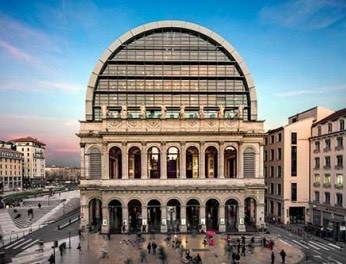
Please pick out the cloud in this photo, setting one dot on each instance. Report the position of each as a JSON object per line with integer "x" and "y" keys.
{"x": 324, "y": 90}
{"x": 305, "y": 14}
{"x": 18, "y": 54}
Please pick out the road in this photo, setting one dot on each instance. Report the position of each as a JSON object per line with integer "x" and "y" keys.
{"x": 317, "y": 250}
{"x": 48, "y": 233}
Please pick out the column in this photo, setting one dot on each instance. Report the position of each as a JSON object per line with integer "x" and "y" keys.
{"x": 222, "y": 225}
{"x": 84, "y": 216}
{"x": 202, "y": 217}
{"x": 259, "y": 173}
{"x": 182, "y": 155}
{"x": 125, "y": 213}
{"x": 145, "y": 218}
{"x": 202, "y": 161}
{"x": 221, "y": 161}
{"x": 125, "y": 158}
{"x": 260, "y": 215}
{"x": 240, "y": 172}
{"x": 105, "y": 162}
{"x": 144, "y": 162}
{"x": 82, "y": 158}
{"x": 87, "y": 165}
{"x": 163, "y": 161}
{"x": 241, "y": 220}
{"x": 105, "y": 220}
{"x": 163, "y": 219}
{"x": 183, "y": 220}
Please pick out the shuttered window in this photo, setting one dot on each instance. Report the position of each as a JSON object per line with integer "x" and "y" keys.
{"x": 95, "y": 164}
{"x": 249, "y": 163}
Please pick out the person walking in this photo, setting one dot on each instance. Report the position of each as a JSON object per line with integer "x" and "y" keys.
{"x": 273, "y": 258}
{"x": 79, "y": 247}
{"x": 283, "y": 255}
{"x": 243, "y": 249}
{"x": 51, "y": 259}
{"x": 154, "y": 246}
{"x": 149, "y": 247}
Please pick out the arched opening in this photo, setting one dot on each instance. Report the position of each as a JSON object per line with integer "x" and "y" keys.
{"x": 172, "y": 163}
{"x": 250, "y": 214}
{"x": 211, "y": 162}
{"x": 115, "y": 216}
{"x": 154, "y": 163}
{"x": 115, "y": 163}
{"x": 134, "y": 163}
{"x": 231, "y": 215}
{"x": 230, "y": 157}
{"x": 192, "y": 214}
{"x": 135, "y": 215}
{"x": 95, "y": 214}
{"x": 249, "y": 163}
{"x": 192, "y": 162}
{"x": 154, "y": 216}
{"x": 212, "y": 214}
{"x": 173, "y": 215}
{"x": 95, "y": 164}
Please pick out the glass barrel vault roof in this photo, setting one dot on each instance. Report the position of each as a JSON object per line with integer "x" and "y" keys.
{"x": 171, "y": 63}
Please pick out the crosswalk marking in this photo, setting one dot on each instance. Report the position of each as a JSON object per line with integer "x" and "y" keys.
{"x": 337, "y": 247}
{"x": 320, "y": 245}
{"x": 300, "y": 244}
{"x": 313, "y": 246}
{"x": 22, "y": 244}
{"x": 29, "y": 245}
{"x": 15, "y": 243}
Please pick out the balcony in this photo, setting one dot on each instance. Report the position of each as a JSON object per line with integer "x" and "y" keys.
{"x": 326, "y": 167}
{"x": 326, "y": 149}
{"x": 339, "y": 186}
{"x": 339, "y": 167}
{"x": 326, "y": 185}
{"x": 338, "y": 205}
{"x": 317, "y": 184}
{"x": 337, "y": 148}
{"x": 316, "y": 167}
{"x": 316, "y": 151}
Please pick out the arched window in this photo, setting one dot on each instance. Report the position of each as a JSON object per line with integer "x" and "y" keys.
{"x": 134, "y": 163}
{"x": 173, "y": 163}
{"x": 154, "y": 163}
{"x": 115, "y": 163}
{"x": 230, "y": 158}
{"x": 211, "y": 163}
{"x": 95, "y": 164}
{"x": 192, "y": 162}
{"x": 249, "y": 163}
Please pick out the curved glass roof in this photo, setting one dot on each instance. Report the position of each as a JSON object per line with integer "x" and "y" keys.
{"x": 170, "y": 66}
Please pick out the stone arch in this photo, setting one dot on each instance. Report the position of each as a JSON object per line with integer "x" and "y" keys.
{"x": 211, "y": 155}
{"x": 154, "y": 162}
{"x": 134, "y": 162}
{"x": 192, "y": 162}
{"x": 115, "y": 212}
{"x": 115, "y": 163}
{"x": 173, "y": 162}
{"x": 249, "y": 162}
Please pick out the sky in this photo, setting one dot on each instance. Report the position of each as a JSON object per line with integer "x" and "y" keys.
{"x": 295, "y": 51}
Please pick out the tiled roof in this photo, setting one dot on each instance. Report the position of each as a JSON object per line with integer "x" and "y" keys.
{"x": 332, "y": 117}
{"x": 28, "y": 139}
{"x": 10, "y": 150}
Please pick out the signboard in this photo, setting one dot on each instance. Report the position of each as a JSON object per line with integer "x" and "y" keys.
{"x": 183, "y": 221}
{"x": 104, "y": 222}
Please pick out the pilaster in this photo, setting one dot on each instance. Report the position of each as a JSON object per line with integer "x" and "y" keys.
{"x": 183, "y": 227}
{"x": 163, "y": 161}
{"x": 241, "y": 224}
{"x": 202, "y": 217}
{"x": 221, "y": 165}
{"x": 222, "y": 225}
{"x": 144, "y": 161}
{"x": 105, "y": 162}
{"x": 183, "y": 161}
{"x": 105, "y": 220}
{"x": 125, "y": 158}
{"x": 202, "y": 161}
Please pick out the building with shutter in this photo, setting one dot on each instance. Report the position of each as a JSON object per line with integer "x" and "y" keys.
{"x": 171, "y": 140}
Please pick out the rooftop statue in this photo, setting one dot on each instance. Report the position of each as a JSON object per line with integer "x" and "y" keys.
{"x": 143, "y": 114}
{"x": 221, "y": 112}
{"x": 163, "y": 112}
{"x": 201, "y": 111}
{"x": 104, "y": 110}
{"x": 240, "y": 111}
{"x": 123, "y": 113}
{"x": 182, "y": 112}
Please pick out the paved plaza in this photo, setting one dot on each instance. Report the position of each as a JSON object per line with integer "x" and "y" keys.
{"x": 121, "y": 247}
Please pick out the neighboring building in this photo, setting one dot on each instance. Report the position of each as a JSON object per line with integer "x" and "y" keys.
{"x": 34, "y": 160}
{"x": 328, "y": 195}
{"x": 171, "y": 140}
{"x": 286, "y": 167}
{"x": 10, "y": 168}
{"x": 62, "y": 174}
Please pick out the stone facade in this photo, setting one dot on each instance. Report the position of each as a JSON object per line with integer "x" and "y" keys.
{"x": 174, "y": 164}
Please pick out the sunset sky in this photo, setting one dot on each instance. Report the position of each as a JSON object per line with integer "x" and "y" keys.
{"x": 295, "y": 51}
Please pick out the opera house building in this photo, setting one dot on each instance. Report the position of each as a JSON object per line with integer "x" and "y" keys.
{"x": 171, "y": 140}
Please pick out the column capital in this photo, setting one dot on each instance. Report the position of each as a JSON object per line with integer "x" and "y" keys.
{"x": 123, "y": 143}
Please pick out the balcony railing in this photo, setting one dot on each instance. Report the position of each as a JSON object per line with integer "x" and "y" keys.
{"x": 317, "y": 184}
{"x": 326, "y": 167}
{"x": 326, "y": 185}
{"x": 326, "y": 149}
{"x": 316, "y": 150}
{"x": 339, "y": 167}
{"x": 339, "y": 185}
{"x": 339, "y": 148}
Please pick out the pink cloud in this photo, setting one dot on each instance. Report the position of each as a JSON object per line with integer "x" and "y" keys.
{"x": 18, "y": 54}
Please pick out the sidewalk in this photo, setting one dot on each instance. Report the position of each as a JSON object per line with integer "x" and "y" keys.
{"x": 120, "y": 247}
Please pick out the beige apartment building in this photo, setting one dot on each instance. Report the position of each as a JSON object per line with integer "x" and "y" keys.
{"x": 34, "y": 160}
{"x": 10, "y": 168}
{"x": 171, "y": 140}
{"x": 287, "y": 168}
{"x": 328, "y": 172}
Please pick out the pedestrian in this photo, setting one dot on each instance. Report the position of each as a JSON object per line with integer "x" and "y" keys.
{"x": 109, "y": 235}
{"x": 51, "y": 259}
{"x": 243, "y": 240}
{"x": 273, "y": 257}
{"x": 238, "y": 248}
{"x": 283, "y": 255}
{"x": 80, "y": 233}
{"x": 149, "y": 247}
{"x": 154, "y": 246}
{"x": 237, "y": 258}
{"x": 243, "y": 250}
{"x": 234, "y": 256}
{"x": 79, "y": 247}
{"x": 264, "y": 241}
{"x": 142, "y": 255}
{"x": 39, "y": 205}
{"x": 61, "y": 249}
